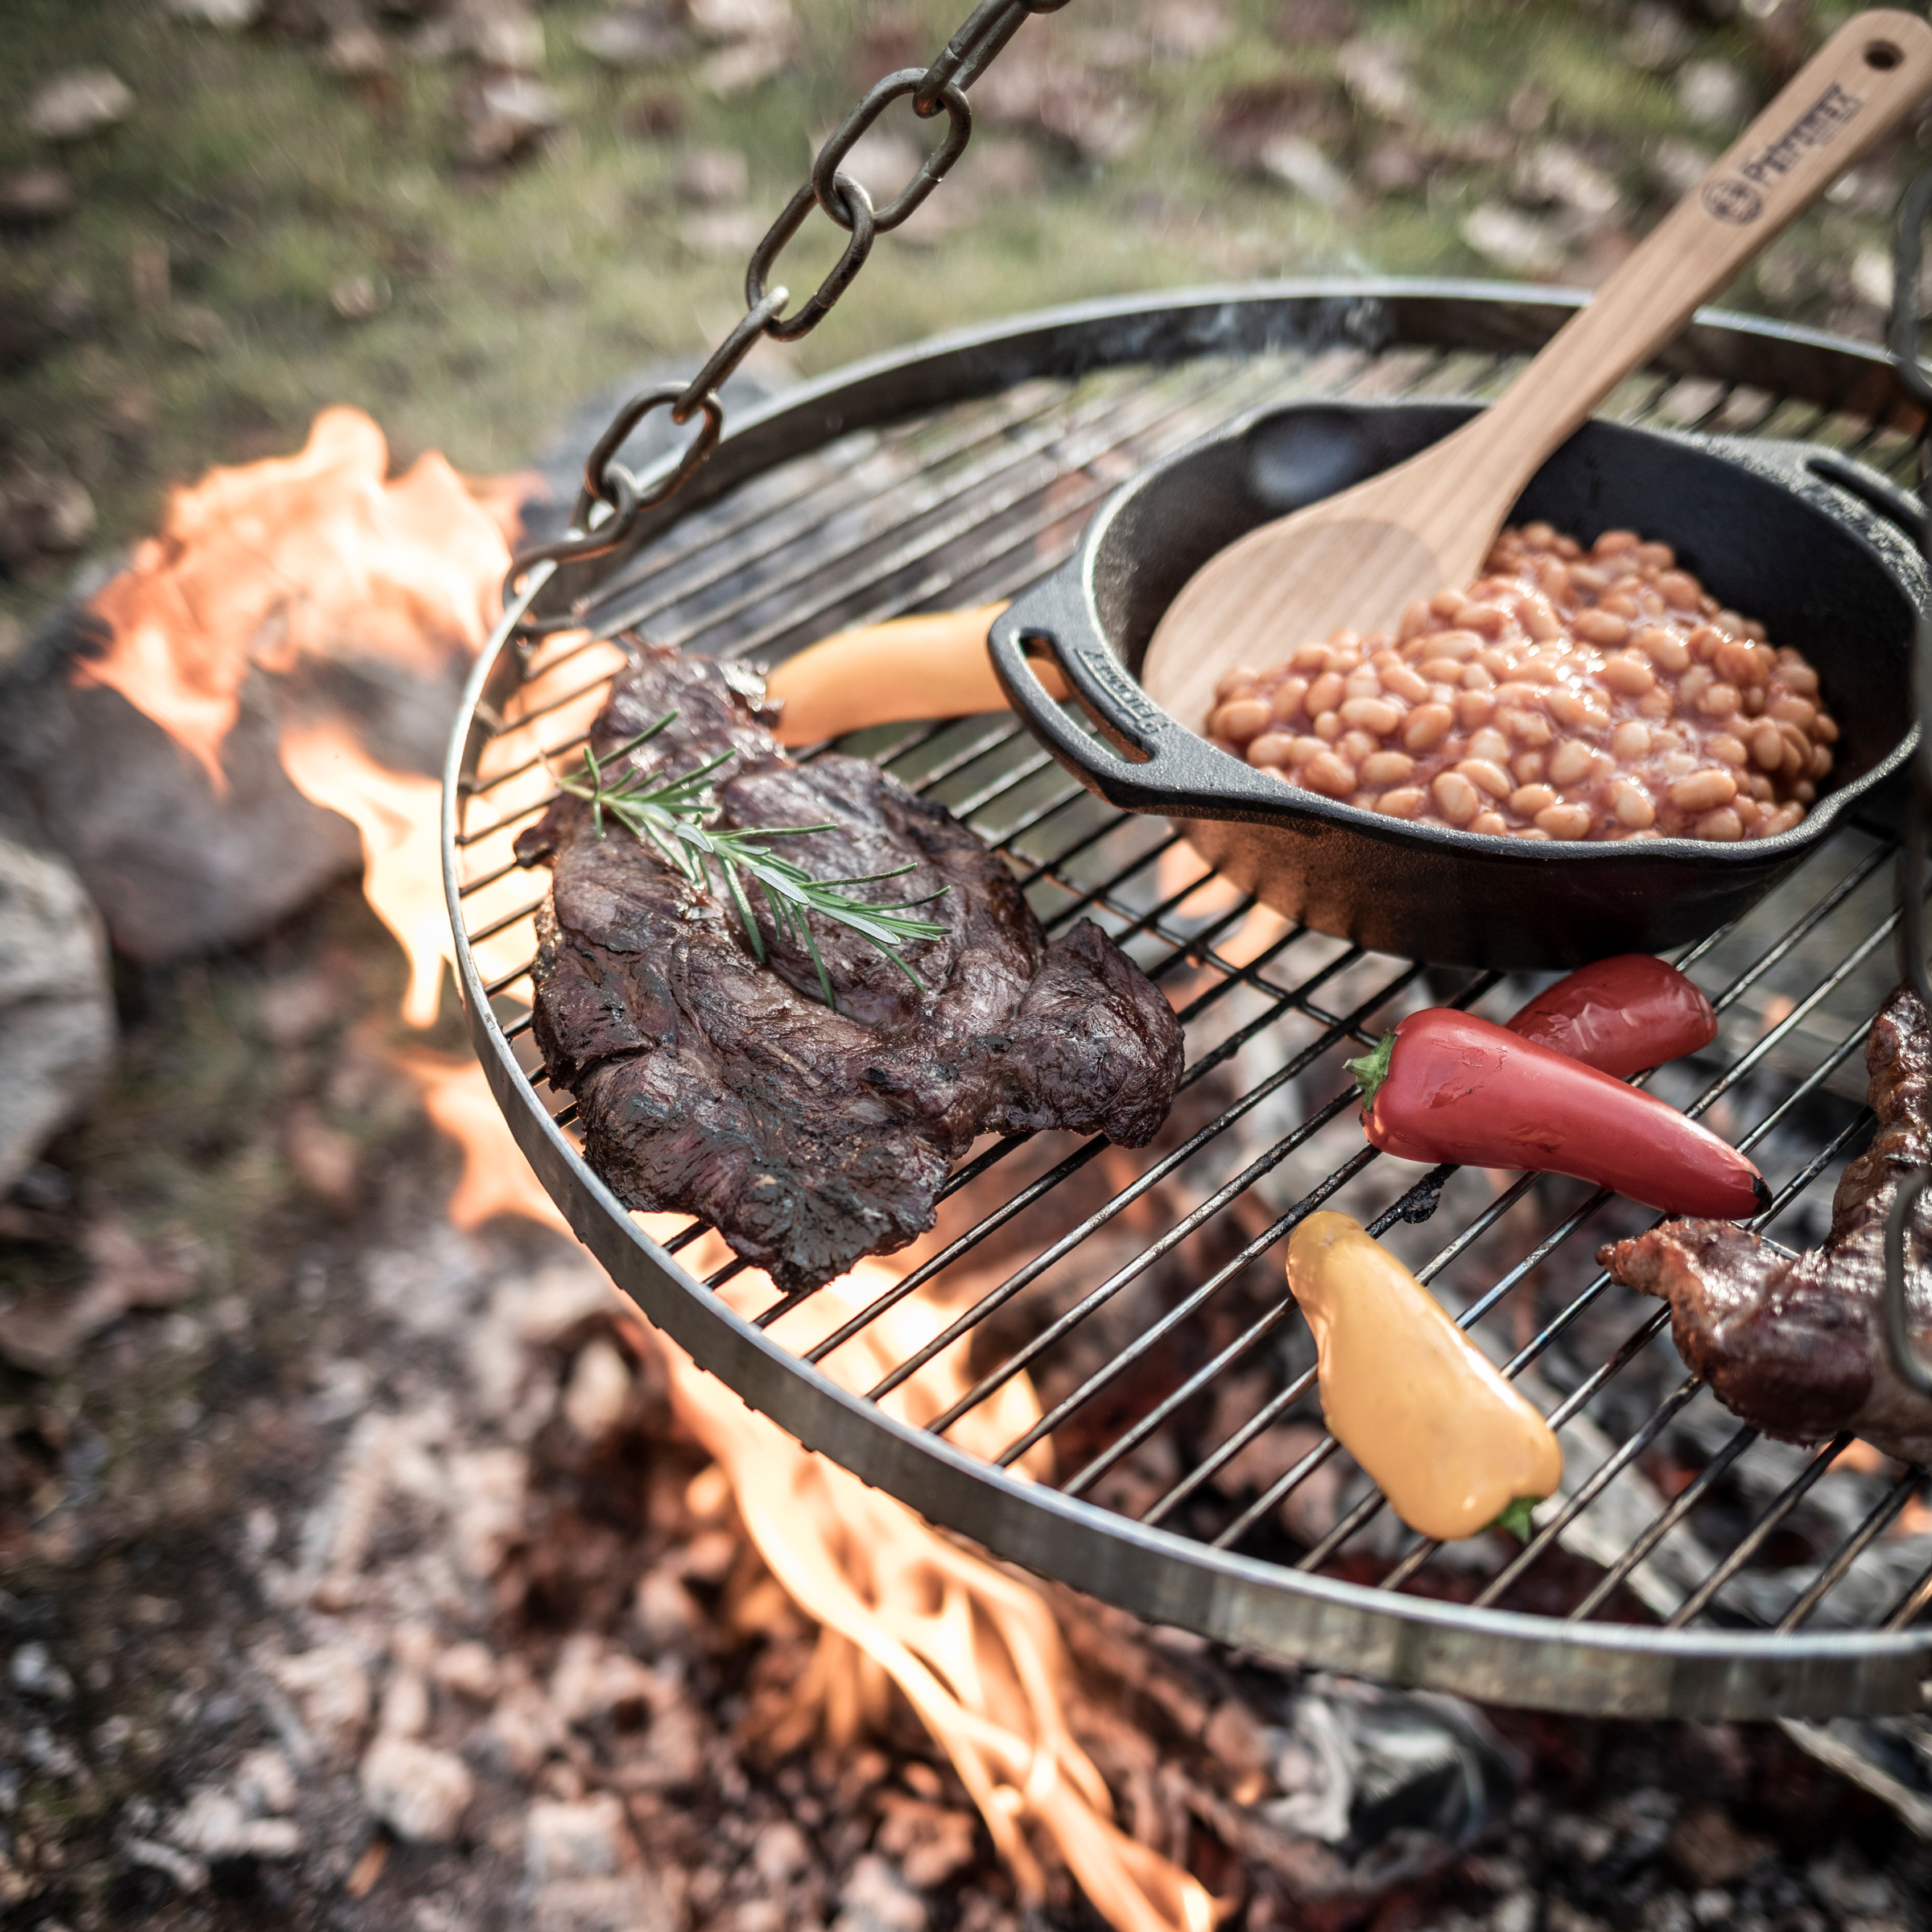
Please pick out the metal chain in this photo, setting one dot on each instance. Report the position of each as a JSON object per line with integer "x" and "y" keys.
{"x": 1908, "y": 253}
{"x": 611, "y": 502}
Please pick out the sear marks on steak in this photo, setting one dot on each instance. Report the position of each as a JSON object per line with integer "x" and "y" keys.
{"x": 1796, "y": 1346}
{"x": 709, "y": 1083}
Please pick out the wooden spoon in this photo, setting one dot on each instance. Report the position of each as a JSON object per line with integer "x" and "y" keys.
{"x": 1359, "y": 559}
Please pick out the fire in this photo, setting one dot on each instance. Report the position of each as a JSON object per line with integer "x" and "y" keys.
{"x": 315, "y": 554}
{"x": 397, "y": 814}
{"x": 976, "y": 1652}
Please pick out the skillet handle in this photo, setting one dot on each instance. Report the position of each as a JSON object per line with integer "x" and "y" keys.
{"x": 1048, "y": 618}
{"x": 1880, "y": 494}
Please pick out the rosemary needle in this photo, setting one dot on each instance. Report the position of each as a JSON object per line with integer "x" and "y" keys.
{"x": 668, "y": 811}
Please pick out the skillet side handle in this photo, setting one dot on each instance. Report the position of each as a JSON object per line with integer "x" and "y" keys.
{"x": 1899, "y": 507}
{"x": 1093, "y": 674}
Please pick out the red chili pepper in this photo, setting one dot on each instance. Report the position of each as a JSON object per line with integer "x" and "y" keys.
{"x": 1621, "y": 1015}
{"x": 1446, "y": 1086}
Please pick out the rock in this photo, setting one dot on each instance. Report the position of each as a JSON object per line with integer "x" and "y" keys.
{"x": 875, "y": 1898}
{"x": 31, "y": 195}
{"x": 780, "y": 1853}
{"x": 587, "y": 1838}
{"x": 33, "y": 1669}
{"x": 1658, "y": 37}
{"x": 1871, "y": 278}
{"x": 57, "y": 1003}
{"x": 638, "y": 37}
{"x": 1522, "y": 244}
{"x": 715, "y": 177}
{"x": 1838, "y": 1883}
{"x": 665, "y": 1611}
{"x": 124, "y": 1272}
{"x": 231, "y": 16}
{"x": 1713, "y": 94}
{"x": 1304, "y": 167}
{"x": 1394, "y": 166}
{"x": 418, "y": 1792}
{"x": 356, "y": 51}
{"x": 175, "y": 868}
{"x": 76, "y": 103}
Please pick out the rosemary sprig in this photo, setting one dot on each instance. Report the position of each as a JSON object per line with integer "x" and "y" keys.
{"x": 668, "y": 811}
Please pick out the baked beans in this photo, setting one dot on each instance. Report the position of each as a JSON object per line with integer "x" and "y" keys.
{"x": 1566, "y": 694}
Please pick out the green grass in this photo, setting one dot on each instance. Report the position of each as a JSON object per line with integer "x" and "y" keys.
{"x": 269, "y": 180}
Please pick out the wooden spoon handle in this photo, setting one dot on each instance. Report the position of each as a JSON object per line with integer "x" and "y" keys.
{"x": 1858, "y": 85}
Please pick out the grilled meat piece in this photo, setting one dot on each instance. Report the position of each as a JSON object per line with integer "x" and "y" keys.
{"x": 708, "y": 1083}
{"x": 1796, "y": 1347}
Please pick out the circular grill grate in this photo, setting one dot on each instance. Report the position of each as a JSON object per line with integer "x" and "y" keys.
{"x": 1689, "y": 1567}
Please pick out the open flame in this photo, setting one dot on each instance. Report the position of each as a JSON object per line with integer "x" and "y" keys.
{"x": 316, "y": 554}
{"x": 319, "y": 554}
{"x": 976, "y": 1652}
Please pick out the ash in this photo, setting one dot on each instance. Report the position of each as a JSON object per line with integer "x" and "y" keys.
{"x": 357, "y": 1573}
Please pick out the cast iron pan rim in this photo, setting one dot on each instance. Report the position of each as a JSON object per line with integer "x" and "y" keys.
{"x": 1076, "y": 574}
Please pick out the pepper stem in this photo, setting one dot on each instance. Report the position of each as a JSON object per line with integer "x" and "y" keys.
{"x": 1372, "y": 1069}
{"x": 1515, "y": 1518}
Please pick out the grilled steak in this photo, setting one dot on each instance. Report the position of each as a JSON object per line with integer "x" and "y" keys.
{"x": 1796, "y": 1347}
{"x": 708, "y": 1083}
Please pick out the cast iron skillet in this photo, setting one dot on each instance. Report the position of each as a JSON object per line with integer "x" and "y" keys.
{"x": 1807, "y": 541}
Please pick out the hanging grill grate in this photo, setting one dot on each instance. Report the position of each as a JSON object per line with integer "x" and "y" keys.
{"x": 1688, "y": 1567}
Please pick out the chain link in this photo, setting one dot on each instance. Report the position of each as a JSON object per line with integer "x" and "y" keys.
{"x": 1908, "y": 253}
{"x": 610, "y": 503}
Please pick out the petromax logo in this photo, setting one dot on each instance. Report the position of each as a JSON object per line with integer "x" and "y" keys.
{"x": 1735, "y": 200}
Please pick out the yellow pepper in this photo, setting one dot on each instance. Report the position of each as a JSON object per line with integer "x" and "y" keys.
{"x": 1450, "y": 1442}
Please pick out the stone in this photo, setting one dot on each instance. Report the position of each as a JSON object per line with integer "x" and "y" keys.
{"x": 741, "y": 19}
{"x": 500, "y": 34}
{"x": 585, "y": 1837}
{"x": 57, "y": 1003}
{"x": 174, "y": 867}
{"x": 31, "y": 195}
{"x": 780, "y": 1853}
{"x": 418, "y": 1792}
{"x": 469, "y": 1670}
{"x": 634, "y": 1901}
{"x": 875, "y": 1898}
{"x": 1186, "y": 30}
{"x": 78, "y": 102}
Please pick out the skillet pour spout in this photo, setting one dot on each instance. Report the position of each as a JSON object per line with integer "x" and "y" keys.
{"x": 1821, "y": 549}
